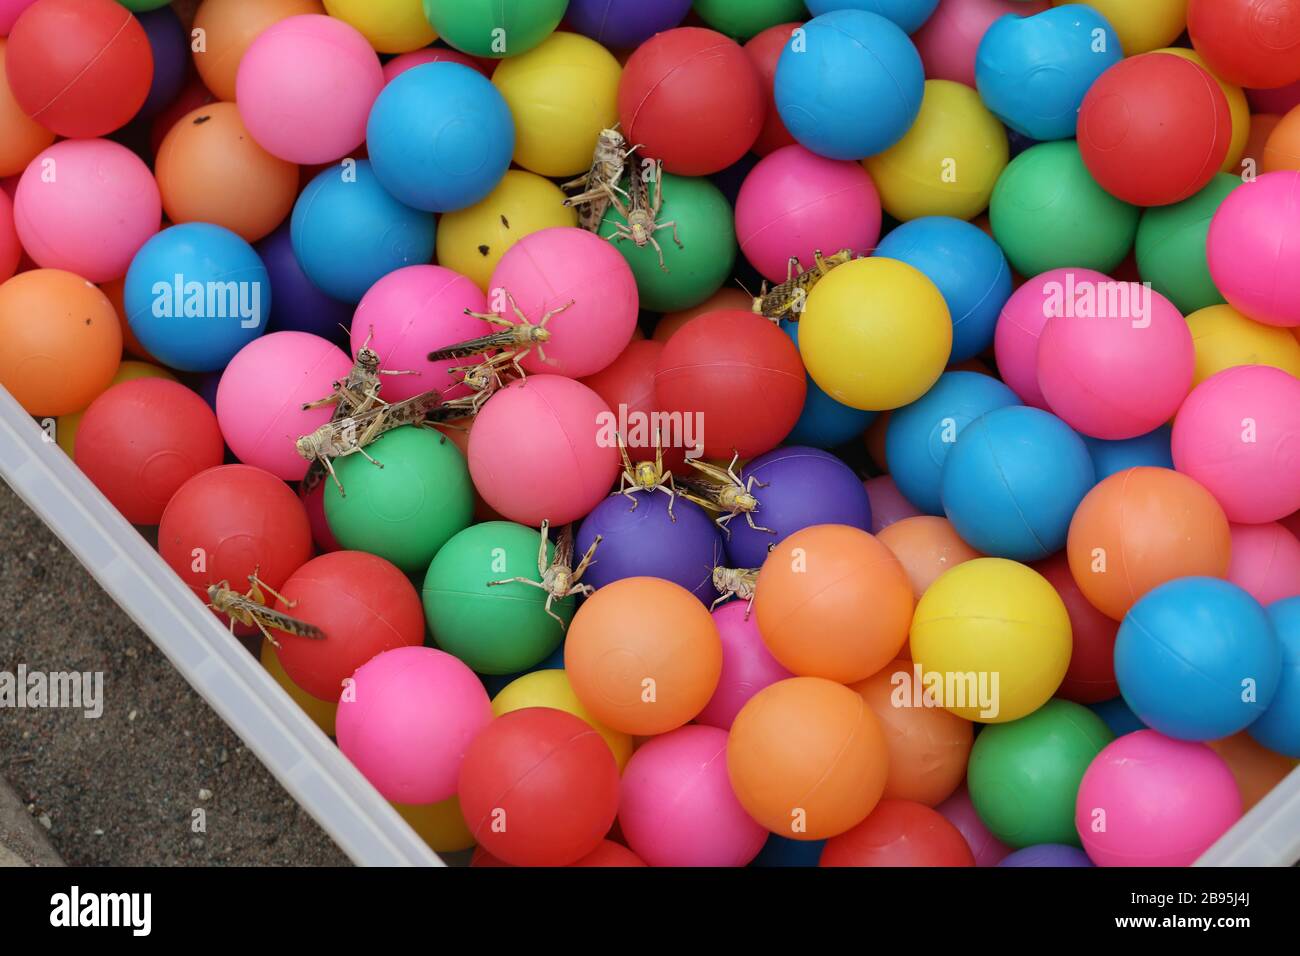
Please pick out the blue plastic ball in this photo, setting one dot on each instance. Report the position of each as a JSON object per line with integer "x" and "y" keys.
{"x": 824, "y": 422}
{"x": 966, "y": 265}
{"x": 348, "y": 232}
{"x": 1032, "y": 72}
{"x": 908, "y": 14}
{"x": 1048, "y": 854}
{"x": 849, "y": 85}
{"x": 1151, "y": 449}
{"x": 299, "y": 305}
{"x": 440, "y": 137}
{"x": 1197, "y": 659}
{"x": 1279, "y": 728}
{"x": 195, "y": 295}
{"x": 1117, "y": 716}
{"x": 782, "y": 851}
{"x": 1012, "y": 481}
{"x": 921, "y": 435}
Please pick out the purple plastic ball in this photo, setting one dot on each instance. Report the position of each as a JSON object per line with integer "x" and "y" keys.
{"x": 171, "y": 58}
{"x": 297, "y": 305}
{"x": 625, "y": 23}
{"x": 1048, "y": 854}
{"x": 647, "y": 543}
{"x": 805, "y": 487}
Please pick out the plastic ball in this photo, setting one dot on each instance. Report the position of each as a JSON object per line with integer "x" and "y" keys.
{"x": 141, "y": 440}
{"x": 875, "y": 334}
{"x": 1278, "y": 728}
{"x": 824, "y": 422}
{"x": 170, "y": 46}
{"x": 1011, "y": 484}
{"x": 1282, "y": 145}
{"x": 899, "y": 833}
{"x": 727, "y": 298}
{"x": 779, "y": 851}
{"x": 434, "y": 54}
{"x": 1151, "y": 449}
{"x": 854, "y": 86}
{"x": 1091, "y": 675}
{"x": 535, "y": 452}
{"x": 1048, "y": 854}
{"x": 624, "y": 24}
{"x": 322, "y": 713}
{"x": 1265, "y": 561}
{"x": 833, "y": 602}
{"x": 348, "y": 232}
{"x": 985, "y": 847}
{"x": 298, "y": 306}
{"x": 21, "y": 137}
{"x": 628, "y": 386}
{"x": 745, "y": 18}
{"x": 888, "y": 506}
{"x": 441, "y": 825}
{"x": 391, "y": 26}
{"x": 62, "y": 341}
{"x": 908, "y": 14}
{"x": 1238, "y": 434}
{"x": 1141, "y": 27}
{"x": 1256, "y": 769}
{"x": 993, "y": 616}
{"x": 1238, "y": 110}
{"x": 1248, "y": 42}
{"x": 926, "y": 547}
{"x": 1148, "y": 800}
{"x": 229, "y": 28}
{"x": 764, "y": 51}
{"x": 1252, "y": 250}
{"x": 1033, "y": 71}
{"x": 550, "y": 687}
{"x": 494, "y": 28}
{"x": 747, "y": 665}
{"x": 950, "y": 38}
{"x": 66, "y": 426}
{"x": 1171, "y": 252}
{"x": 10, "y": 10}
{"x": 1049, "y": 213}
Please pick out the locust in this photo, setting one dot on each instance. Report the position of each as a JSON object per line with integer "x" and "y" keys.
{"x": 559, "y": 577}
{"x": 646, "y": 476}
{"x": 787, "y": 300}
{"x": 735, "y": 582}
{"x": 722, "y": 489}
{"x": 521, "y": 338}
{"x": 601, "y": 180}
{"x": 359, "y": 391}
{"x": 250, "y": 609}
{"x": 483, "y": 379}
{"x": 641, "y": 212}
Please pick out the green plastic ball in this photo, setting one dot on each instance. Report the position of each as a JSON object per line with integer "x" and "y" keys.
{"x": 1024, "y": 775}
{"x": 408, "y": 509}
{"x": 746, "y": 18}
{"x": 494, "y": 28}
{"x": 1048, "y": 212}
{"x": 499, "y": 629}
{"x": 706, "y": 226}
{"x": 1171, "y": 247}
{"x": 143, "y": 6}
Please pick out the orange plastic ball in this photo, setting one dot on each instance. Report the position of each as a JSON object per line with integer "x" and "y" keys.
{"x": 229, "y": 26}
{"x": 1256, "y": 769}
{"x": 1282, "y": 148}
{"x": 21, "y": 137}
{"x": 643, "y": 655}
{"x": 832, "y": 601}
{"x": 1142, "y": 527}
{"x": 926, "y": 546}
{"x": 61, "y": 341}
{"x": 807, "y": 758}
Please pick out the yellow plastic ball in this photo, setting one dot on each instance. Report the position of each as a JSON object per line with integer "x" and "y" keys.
{"x": 391, "y": 26}
{"x": 551, "y": 688}
{"x": 999, "y": 636}
{"x": 1224, "y": 338}
{"x": 320, "y": 711}
{"x": 875, "y": 334}
{"x": 948, "y": 162}
{"x": 562, "y": 94}
{"x": 1238, "y": 109}
{"x": 472, "y": 241}
{"x": 440, "y": 825}
{"x": 65, "y": 426}
{"x": 1142, "y": 25}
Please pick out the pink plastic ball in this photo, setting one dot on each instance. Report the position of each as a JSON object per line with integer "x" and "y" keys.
{"x": 1148, "y": 800}
{"x": 948, "y": 40}
{"x": 407, "y": 719}
{"x": 321, "y": 535}
{"x": 548, "y": 269}
{"x": 676, "y": 805}
{"x": 1265, "y": 561}
{"x": 747, "y": 665}
{"x": 261, "y": 393}
{"x": 412, "y": 312}
{"x": 86, "y": 206}
{"x": 1238, "y": 434}
{"x": 305, "y": 87}
{"x": 1119, "y": 369}
{"x": 542, "y": 449}
{"x": 1253, "y": 249}
{"x": 9, "y": 12}
{"x": 1021, "y": 322}
{"x": 433, "y": 54}
{"x": 960, "y": 812}
{"x": 888, "y": 504}
{"x": 795, "y": 202}
{"x": 11, "y": 250}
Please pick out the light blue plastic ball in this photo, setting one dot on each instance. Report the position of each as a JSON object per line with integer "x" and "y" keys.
{"x": 1197, "y": 659}
{"x": 348, "y": 232}
{"x": 908, "y": 14}
{"x": 1032, "y": 72}
{"x": 921, "y": 435}
{"x": 1279, "y": 728}
{"x": 1013, "y": 480}
{"x": 966, "y": 265}
{"x": 1152, "y": 449}
{"x": 849, "y": 84}
{"x": 824, "y": 422}
{"x": 440, "y": 137}
{"x": 195, "y": 295}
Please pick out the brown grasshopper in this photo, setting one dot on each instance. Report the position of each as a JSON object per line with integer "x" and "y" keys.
{"x": 646, "y": 476}
{"x": 640, "y": 212}
{"x": 721, "y": 489}
{"x": 522, "y": 337}
{"x": 787, "y": 300}
{"x": 359, "y": 392}
{"x": 483, "y": 379}
{"x": 250, "y": 609}
{"x": 601, "y": 180}
{"x": 735, "y": 582}
{"x": 559, "y": 577}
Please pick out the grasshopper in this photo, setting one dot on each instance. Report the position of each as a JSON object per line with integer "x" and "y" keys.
{"x": 787, "y": 300}
{"x": 601, "y": 180}
{"x": 646, "y": 476}
{"x": 250, "y": 609}
{"x": 521, "y": 338}
{"x": 641, "y": 213}
{"x": 359, "y": 392}
{"x": 483, "y": 379}
{"x": 735, "y": 582}
{"x": 721, "y": 489}
{"x": 559, "y": 577}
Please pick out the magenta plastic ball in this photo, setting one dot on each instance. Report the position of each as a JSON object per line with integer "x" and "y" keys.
{"x": 537, "y": 451}
{"x": 794, "y": 203}
{"x": 432, "y": 54}
{"x": 408, "y": 314}
{"x": 1238, "y": 434}
{"x": 948, "y": 40}
{"x": 1149, "y": 800}
{"x": 676, "y": 805}
{"x": 1265, "y": 561}
{"x": 93, "y": 214}
{"x": 888, "y": 504}
{"x": 261, "y": 394}
{"x": 406, "y": 720}
{"x": 747, "y": 665}
{"x": 960, "y": 812}
{"x": 1253, "y": 249}
{"x": 321, "y": 535}
{"x": 549, "y": 269}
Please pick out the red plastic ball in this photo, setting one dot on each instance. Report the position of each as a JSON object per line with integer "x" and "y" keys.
{"x": 81, "y": 68}
{"x": 899, "y": 833}
{"x": 693, "y": 99}
{"x": 1252, "y": 43}
{"x": 141, "y": 440}
{"x": 539, "y": 787}
{"x": 629, "y": 383}
{"x": 739, "y": 375}
{"x": 364, "y": 605}
{"x": 1091, "y": 676}
{"x": 1154, "y": 129}
{"x": 608, "y": 854}
{"x": 763, "y": 51}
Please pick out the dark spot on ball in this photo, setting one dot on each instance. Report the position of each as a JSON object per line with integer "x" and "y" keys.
{"x": 199, "y": 120}
{"x": 483, "y": 250}
{"x": 88, "y": 321}
{"x": 504, "y": 221}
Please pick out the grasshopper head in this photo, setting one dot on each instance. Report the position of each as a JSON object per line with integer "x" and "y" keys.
{"x": 368, "y": 359}
{"x": 215, "y": 592}
{"x": 720, "y": 579}
{"x": 758, "y": 305}
{"x": 647, "y": 476}
{"x": 640, "y": 235}
{"x": 540, "y": 334}
{"x": 611, "y": 139}
{"x": 306, "y": 447}
{"x": 746, "y": 501}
